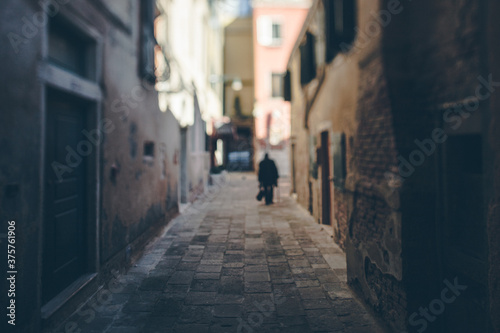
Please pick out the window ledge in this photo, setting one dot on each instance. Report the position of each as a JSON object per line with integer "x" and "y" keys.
{"x": 148, "y": 160}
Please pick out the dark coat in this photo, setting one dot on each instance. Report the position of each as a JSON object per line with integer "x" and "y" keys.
{"x": 268, "y": 173}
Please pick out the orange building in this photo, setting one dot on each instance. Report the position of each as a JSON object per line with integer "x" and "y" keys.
{"x": 277, "y": 24}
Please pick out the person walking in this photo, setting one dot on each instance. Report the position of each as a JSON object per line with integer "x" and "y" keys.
{"x": 268, "y": 177}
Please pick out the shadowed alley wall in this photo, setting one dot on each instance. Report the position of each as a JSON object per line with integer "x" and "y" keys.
{"x": 410, "y": 99}
{"x": 88, "y": 65}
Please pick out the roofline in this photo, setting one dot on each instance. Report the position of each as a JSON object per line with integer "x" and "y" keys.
{"x": 281, "y": 4}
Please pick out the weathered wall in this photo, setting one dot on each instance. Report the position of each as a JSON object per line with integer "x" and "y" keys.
{"x": 374, "y": 240}
{"x": 334, "y": 111}
{"x": 198, "y": 158}
{"x": 353, "y": 100}
{"x": 136, "y": 194}
{"x": 413, "y": 64}
{"x": 443, "y": 59}
{"x": 300, "y": 136}
{"x": 143, "y": 189}
{"x": 190, "y": 36}
{"x": 20, "y": 160}
{"x": 494, "y": 140}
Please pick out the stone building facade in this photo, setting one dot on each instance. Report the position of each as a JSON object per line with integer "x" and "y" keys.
{"x": 394, "y": 104}
{"x": 89, "y": 162}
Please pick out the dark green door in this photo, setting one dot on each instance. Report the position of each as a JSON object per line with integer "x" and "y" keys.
{"x": 65, "y": 191}
{"x": 463, "y": 236}
{"x": 325, "y": 179}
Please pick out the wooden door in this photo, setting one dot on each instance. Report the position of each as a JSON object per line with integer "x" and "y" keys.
{"x": 65, "y": 208}
{"x": 325, "y": 179}
{"x": 184, "y": 167}
{"x": 463, "y": 232}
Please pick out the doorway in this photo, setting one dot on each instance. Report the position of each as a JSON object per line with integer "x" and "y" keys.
{"x": 325, "y": 179}
{"x": 183, "y": 166}
{"x": 463, "y": 238}
{"x": 66, "y": 193}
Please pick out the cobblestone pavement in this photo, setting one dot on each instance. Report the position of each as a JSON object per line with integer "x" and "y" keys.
{"x": 232, "y": 264}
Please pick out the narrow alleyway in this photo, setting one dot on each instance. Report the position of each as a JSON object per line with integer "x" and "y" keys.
{"x": 231, "y": 264}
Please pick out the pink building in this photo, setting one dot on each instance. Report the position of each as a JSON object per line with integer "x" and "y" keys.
{"x": 277, "y": 24}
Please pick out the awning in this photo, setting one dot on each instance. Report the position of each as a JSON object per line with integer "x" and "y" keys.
{"x": 223, "y": 129}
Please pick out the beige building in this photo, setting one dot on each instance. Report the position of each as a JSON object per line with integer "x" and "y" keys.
{"x": 393, "y": 148}
{"x": 89, "y": 166}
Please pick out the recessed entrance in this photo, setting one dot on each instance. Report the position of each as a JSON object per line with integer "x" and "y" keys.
{"x": 66, "y": 192}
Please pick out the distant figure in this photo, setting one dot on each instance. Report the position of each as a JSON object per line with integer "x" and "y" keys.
{"x": 268, "y": 177}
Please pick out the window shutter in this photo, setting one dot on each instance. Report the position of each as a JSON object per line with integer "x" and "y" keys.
{"x": 265, "y": 30}
{"x": 338, "y": 18}
{"x": 332, "y": 41}
{"x": 308, "y": 60}
{"x": 340, "y": 24}
{"x": 287, "y": 87}
{"x": 349, "y": 21}
{"x": 277, "y": 84}
{"x": 148, "y": 41}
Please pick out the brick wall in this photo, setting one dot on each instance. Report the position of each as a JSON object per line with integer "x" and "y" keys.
{"x": 425, "y": 61}
{"x": 374, "y": 240}
{"x": 432, "y": 57}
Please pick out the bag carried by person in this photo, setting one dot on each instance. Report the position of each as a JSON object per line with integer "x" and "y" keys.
{"x": 260, "y": 195}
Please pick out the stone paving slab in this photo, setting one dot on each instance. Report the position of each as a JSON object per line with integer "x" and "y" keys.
{"x": 232, "y": 264}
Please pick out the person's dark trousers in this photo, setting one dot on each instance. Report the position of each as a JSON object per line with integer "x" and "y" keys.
{"x": 269, "y": 194}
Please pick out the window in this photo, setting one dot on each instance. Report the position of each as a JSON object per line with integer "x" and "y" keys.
{"x": 148, "y": 41}
{"x": 149, "y": 149}
{"x": 276, "y": 31}
{"x": 287, "y": 87}
{"x": 70, "y": 50}
{"x": 340, "y": 24}
{"x": 277, "y": 84}
{"x": 307, "y": 59}
{"x": 269, "y": 31}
